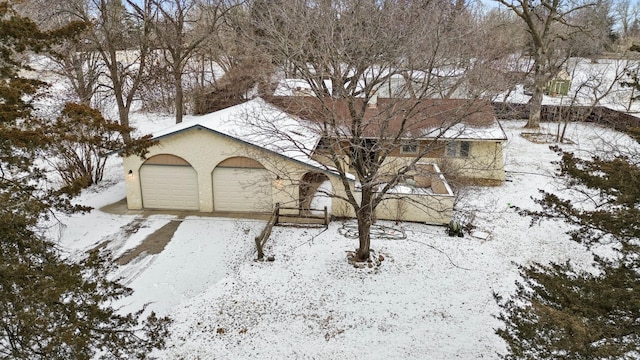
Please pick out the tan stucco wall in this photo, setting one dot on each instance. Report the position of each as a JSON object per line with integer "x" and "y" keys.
{"x": 204, "y": 150}
{"x": 485, "y": 161}
{"x": 433, "y": 209}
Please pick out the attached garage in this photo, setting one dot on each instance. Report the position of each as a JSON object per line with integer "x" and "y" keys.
{"x": 243, "y": 185}
{"x": 169, "y": 182}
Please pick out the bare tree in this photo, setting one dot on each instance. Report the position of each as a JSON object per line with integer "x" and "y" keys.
{"x": 597, "y": 22}
{"x": 229, "y": 68}
{"x": 119, "y": 34}
{"x": 502, "y": 39}
{"x": 549, "y": 25}
{"x": 625, "y": 13}
{"x": 73, "y": 58}
{"x": 82, "y": 68}
{"x": 181, "y": 27}
{"x": 348, "y": 53}
{"x": 591, "y": 85}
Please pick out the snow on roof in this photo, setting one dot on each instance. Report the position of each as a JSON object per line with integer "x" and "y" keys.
{"x": 462, "y": 131}
{"x": 592, "y": 83}
{"x": 302, "y": 87}
{"x": 266, "y": 126}
{"x": 255, "y": 122}
{"x": 296, "y": 87}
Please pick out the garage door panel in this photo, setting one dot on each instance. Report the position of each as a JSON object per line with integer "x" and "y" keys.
{"x": 169, "y": 187}
{"x": 242, "y": 189}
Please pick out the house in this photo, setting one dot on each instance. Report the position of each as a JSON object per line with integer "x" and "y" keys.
{"x": 219, "y": 162}
{"x": 444, "y": 82}
{"x": 462, "y": 136}
{"x": 230, "y": 161}
{"x": 559, "y": 85}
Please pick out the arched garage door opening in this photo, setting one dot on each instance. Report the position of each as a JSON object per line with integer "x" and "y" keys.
{"x": 241, "y": 184}
{"x": 314, "y": 192}
{"x": 169, "y": 182}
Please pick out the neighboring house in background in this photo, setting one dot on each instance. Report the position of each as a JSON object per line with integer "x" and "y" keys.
{"x": 445, "y": 83}
{"x": 221, "y": 162}
{"x": 559, "y": 85}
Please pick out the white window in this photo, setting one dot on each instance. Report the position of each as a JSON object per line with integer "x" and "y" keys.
{"x": 458, "y": 149}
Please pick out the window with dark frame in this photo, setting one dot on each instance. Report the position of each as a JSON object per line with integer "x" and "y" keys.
{"x": 409, "y": 148}
{"x": 465, "y": 149}
{"x": 322, "y": 145}
{"x": 458, "y": 149}
{"x": 451, "y": 149}
{"x": 368, "y": 147}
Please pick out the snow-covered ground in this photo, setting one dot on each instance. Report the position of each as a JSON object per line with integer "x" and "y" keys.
{"x": 592, "y": 83}
{"x": 430, "y": 298}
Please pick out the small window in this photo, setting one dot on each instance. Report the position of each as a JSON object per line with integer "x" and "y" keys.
{"x": 451, "y": 149}
{"x": 322, "y": 145}
{"x": 409, "y": 148}
{"x": 366, "y": 151}
{"x": 465, "y": 147}
{"x": 458, "y": 149}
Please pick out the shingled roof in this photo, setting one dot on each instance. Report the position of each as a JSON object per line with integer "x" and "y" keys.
{"x": 410, "y": 118}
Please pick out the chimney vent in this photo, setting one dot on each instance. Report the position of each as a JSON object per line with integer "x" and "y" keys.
{"x": 373, "y": 102}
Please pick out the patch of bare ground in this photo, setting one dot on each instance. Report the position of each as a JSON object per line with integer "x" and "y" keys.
{"x": 374, "y": 260}
{"x": 152, "y": 244}
{"x": 544, "y": 138}
{"x": 114, "y": 241}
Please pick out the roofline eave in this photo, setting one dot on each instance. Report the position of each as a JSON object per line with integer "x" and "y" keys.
{"x": 200, "y": 127}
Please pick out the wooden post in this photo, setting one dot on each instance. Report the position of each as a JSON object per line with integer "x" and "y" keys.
{"x": 277, "y": 213}
{"x": 326, "y": 217}
{"x": 259, "y": 247}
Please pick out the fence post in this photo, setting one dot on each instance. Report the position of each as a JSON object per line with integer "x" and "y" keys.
{"x": 259, "y": 247}
{"x": 326, "y": 217}
{"x": 277, "y": 213}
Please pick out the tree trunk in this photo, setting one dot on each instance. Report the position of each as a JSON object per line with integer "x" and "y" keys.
{"x": 83, "y": 87}
{"x": 365, "y": 218}
{"x": 564, "y": 130}
{"x": 539, "y": 81}
{"x": 535, "y": 106}
{"x": 123, "y": 113}
{"x": 364, "y": 236}
{"x": 179, "y": 100}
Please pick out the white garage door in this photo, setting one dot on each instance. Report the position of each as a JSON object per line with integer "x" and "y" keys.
{"x": 241, "y": 189}
{"x": 169, "y": 187}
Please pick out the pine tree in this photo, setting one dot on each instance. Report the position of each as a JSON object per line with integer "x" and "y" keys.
{"x": 50, "y": 307}
{"x": 558, "y": 312}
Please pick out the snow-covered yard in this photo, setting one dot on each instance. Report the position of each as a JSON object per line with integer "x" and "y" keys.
{"x": 430, "y": 298}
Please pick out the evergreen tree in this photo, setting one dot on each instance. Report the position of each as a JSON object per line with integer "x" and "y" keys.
{"x": 561, "y": 313}
{"x": 50, "y": 307}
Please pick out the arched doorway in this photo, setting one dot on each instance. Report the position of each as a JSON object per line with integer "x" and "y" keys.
{"x": 169, "y": 182}
{"x": 314, "y": 191}
{"x": 241, "y": 184}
